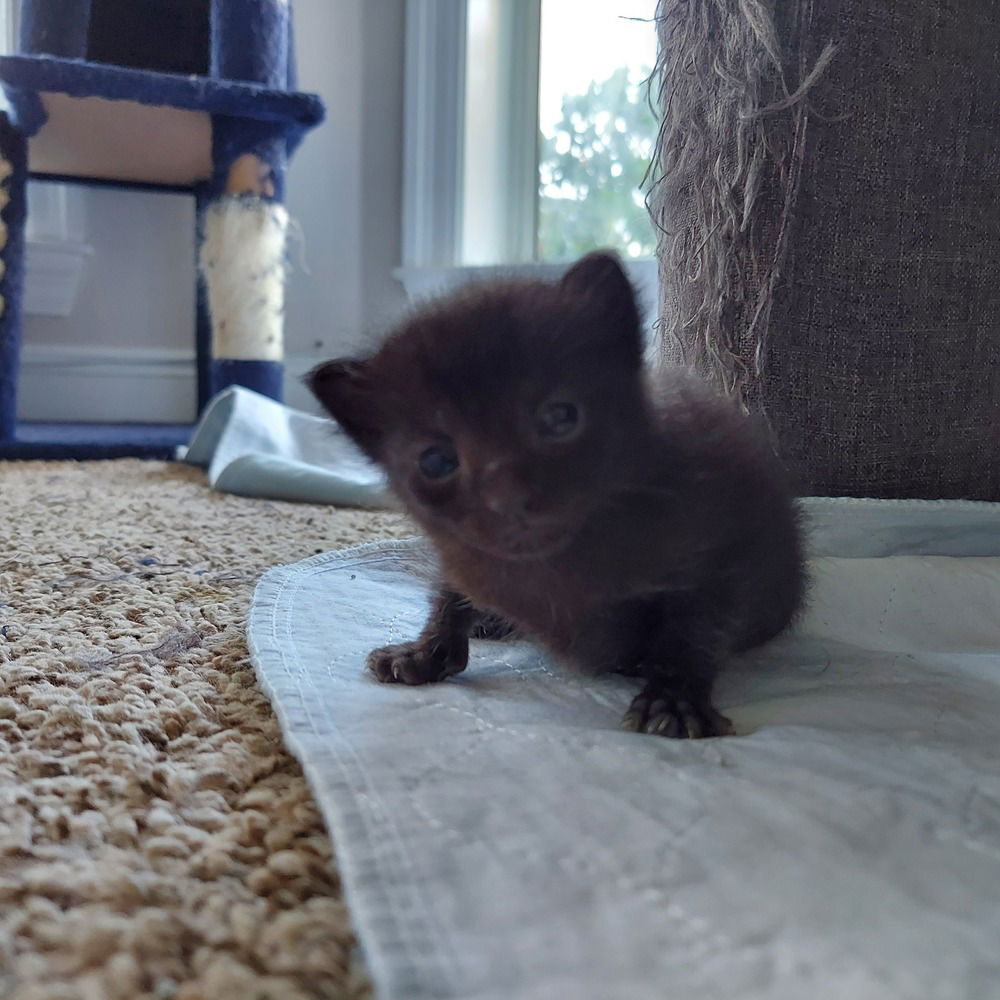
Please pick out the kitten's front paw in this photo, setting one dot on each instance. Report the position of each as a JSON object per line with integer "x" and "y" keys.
{"x": 663, "y": 713}
{"x": 420, "y": 662}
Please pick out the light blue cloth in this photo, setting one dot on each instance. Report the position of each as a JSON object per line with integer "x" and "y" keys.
{"x": 501, "y": 839}
{"x": 849, "y": 527}
{"x": 257, "y": 447}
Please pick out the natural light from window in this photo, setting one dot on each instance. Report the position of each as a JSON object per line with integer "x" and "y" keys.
{"x": 529, "y": 132}
{"x": 597, "y": 130}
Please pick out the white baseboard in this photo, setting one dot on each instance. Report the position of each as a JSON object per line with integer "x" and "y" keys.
{"x": 297, "y": 395}
{"x": 97, "y": 383}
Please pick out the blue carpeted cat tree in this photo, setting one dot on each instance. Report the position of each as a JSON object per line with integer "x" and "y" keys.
{"x": 181, "y": 95}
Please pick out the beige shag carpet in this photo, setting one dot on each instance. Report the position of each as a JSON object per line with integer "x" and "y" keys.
{"x": 156, "y": 839}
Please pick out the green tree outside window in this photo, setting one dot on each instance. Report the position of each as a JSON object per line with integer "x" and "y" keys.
{"x": 590, "y": 170}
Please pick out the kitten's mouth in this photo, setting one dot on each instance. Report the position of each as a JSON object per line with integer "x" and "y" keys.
{"x": 527, "y": 544}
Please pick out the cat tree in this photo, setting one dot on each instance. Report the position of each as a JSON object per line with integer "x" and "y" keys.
{"x": 828, "y": 208}
{"x": 177, "y": 95}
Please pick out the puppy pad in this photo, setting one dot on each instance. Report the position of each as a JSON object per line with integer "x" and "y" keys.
{"x": 501, "y": 838}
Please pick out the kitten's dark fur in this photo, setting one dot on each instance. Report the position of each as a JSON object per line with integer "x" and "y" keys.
{"x": 626, "y": 527}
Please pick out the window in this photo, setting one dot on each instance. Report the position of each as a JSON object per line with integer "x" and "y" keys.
{"x": 596, "y": 127}
{"x": 528, "y": 131}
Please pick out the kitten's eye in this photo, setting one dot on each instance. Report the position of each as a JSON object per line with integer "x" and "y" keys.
{"x": 558, "y": 421}
{"x": 438, "y": 462}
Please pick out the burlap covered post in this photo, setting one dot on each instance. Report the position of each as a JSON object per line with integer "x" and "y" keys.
{"x": 827, "y": 187}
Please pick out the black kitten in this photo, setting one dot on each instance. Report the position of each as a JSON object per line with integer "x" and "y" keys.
{"x": 627, "y": 527}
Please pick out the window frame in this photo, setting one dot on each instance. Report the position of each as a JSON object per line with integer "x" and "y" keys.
{"x": 434, "y": 108}
{"x": 433, "y": 150}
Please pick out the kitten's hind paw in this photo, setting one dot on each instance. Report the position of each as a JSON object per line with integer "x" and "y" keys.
{"x": 487, "y": 625}
{"x": 421, "y": 662}
{"x": 664, "y": 713}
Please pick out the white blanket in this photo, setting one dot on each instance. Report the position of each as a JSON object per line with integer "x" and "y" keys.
{"x": 257, "y": 447}
{"x": 501, "y": 838}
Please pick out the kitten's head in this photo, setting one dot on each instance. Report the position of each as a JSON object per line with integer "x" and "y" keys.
{"x": 504, "y": 415}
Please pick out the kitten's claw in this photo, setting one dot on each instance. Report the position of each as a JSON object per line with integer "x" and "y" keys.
{"x": 491, "y": 626}
{"x": 664, "y": 714}
{"x": 419, "y": 662}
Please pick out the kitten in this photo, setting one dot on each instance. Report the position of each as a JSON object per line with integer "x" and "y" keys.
{"x": 631, "y": 527}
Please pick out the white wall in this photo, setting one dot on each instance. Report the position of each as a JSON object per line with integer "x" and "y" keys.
{"x": 127, "y": 350}
{"x": 344, "y": 185}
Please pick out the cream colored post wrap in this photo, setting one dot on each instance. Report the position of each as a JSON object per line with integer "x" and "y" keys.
{"x": 242, "y": 260}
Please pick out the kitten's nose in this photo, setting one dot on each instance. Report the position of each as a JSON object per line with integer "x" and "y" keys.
{"x": 503, "y": 492}
{"x": 505, "y": 504}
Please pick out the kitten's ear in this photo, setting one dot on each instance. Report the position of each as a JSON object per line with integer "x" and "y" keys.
{"x": 348, "y": 393}
{"x": 600, "y": 278}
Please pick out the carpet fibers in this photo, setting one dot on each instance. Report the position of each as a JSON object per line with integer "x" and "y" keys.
{"x": 156, "y": 839}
